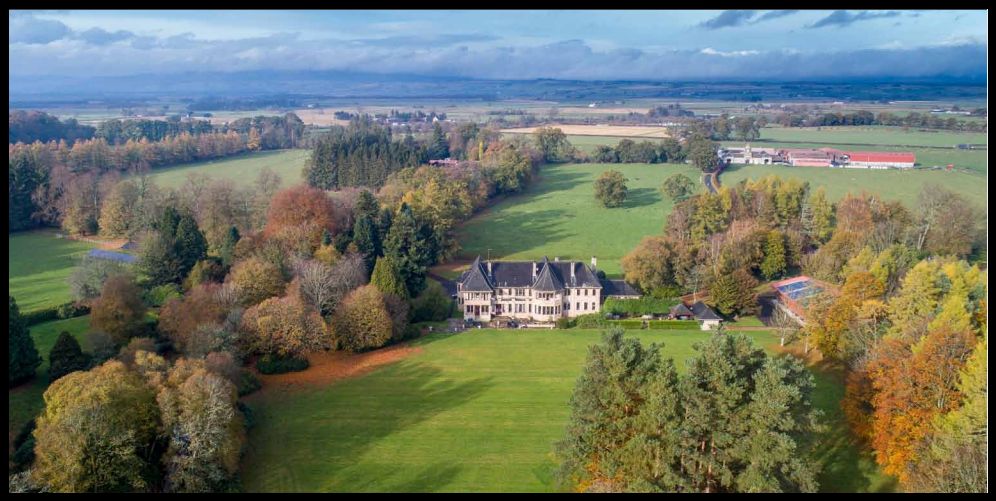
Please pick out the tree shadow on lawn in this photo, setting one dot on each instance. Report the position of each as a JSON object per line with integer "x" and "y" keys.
{"x": 511, "y": 232}
{"x": 640, "y": 197}
{"x": 311, "y": 440}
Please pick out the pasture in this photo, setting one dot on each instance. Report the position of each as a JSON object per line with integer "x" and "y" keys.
{"x": 474, "y": 411}
{"x": 25, "y": 401}
{"x": 891, "y": 184}
{"x": 240, "y": 169}
{"x": 38, "y": 265}
{"x": 872, "y": 135}
{"x": 648, "y": 132}
{"x": 558, "y": 216}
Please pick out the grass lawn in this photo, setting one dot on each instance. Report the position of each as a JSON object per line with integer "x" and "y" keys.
{"x": 891, "y": 184}
{"x": 242, "y": 169}
{"x": 873, "y": 135}
{"x": 558, "y": 216}
{"x": 475, "y": 411}
{"x": 25, "y": 401}
{"x": 38, "y": 265}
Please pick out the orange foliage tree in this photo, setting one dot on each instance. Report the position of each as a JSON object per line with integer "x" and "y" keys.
{"x": 301, "y": 206}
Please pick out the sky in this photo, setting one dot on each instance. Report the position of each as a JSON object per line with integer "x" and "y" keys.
{"x": 586, "y": 45}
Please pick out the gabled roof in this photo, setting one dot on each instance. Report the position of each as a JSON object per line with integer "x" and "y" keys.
{"x": 618, "y": 288}
{"x": 681, "y": 310}
{"x": 703, "y": 312}
{"x": 476, "y": 279}
{"x": 547, "y": 280}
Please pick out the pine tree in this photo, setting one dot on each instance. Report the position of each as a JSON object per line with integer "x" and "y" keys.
{"x": 387, "y": 279}
{"x": 367, "y": 240}
{"x": 439, "y": 147}
{"x": 413, "y": 246}
{"x": 66, "y": 356}
{"x": 21, "y": 352}
{"x": 191, "y": 246}
{"x": 774, "y": 255}
{"x": 366, "y": 205}
{"x": 227, "y": 250}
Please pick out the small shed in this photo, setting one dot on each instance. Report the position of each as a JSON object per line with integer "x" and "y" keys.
{"x": 681, "y": 312}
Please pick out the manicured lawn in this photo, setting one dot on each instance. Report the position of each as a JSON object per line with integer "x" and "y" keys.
{"x": 38, "y": 265}
{"x": 558, "y": 216}
{"x": 25, "y": 401}
{"x": 891, "y": 184}
{"x": 474, "y": 411}
{"x": 242, "y": 169}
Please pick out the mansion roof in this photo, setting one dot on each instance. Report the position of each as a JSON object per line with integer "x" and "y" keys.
{"x": 549, "y": 275}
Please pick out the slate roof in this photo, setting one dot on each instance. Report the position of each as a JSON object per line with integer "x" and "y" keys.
{"x": 546, "y": 279}
{"x": 681, "y": 310}
{"x": 555, "y": 274}
{"x": 618, "y": 288}
{"x": 703, "y": 312}
{"x": 476, "y": 278}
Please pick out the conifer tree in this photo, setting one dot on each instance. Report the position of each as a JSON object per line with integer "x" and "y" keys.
{"x": 66, "y": 356}
{"x": 21, "y": 352}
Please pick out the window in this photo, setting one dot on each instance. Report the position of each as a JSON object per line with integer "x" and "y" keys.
{"x": 586, "y": 292}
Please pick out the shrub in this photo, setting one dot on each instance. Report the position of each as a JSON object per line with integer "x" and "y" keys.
{"x": 272, "y": 364}
{"x": 591, "y": 321}
{"x": 66, "y": 356}
{"x": 40, "y": 316}
{"x": 565, "y": 323}
{"x": 71, "y": 310}
{"x": 432, "y": 305}
{"x": 674, "y": 324}
{"x": 286, "y": 328}
{"x": 248, "y": 383}
{"x": 362, "y": 321}
{"x": 646, "y": 305}
{"x": 24, "y": 447}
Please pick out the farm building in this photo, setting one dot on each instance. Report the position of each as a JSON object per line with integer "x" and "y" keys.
{"x": 818, "y": 157}
{"x": 112, "y": 256}
{"x": 796, "y": 293}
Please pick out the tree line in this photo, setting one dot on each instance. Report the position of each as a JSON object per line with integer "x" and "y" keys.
{"x": 62, "y": 184}
{"x": 30, "y": 126}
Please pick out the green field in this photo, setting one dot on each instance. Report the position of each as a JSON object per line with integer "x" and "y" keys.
{"x": 38, "y": 265}
{"x": 873, "y": 135}
{"x": 241, "y": 169}
{"x": 475, "y": 411}
{"x": 25, "y": 401}
{"x": 558, "y": 216}
{"x": 890, "y": 184}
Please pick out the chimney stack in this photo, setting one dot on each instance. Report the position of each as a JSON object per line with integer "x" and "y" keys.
{"x": 489, "y": 269}
{"x": 534, "y": 270}
{"x": 594, "y": 262}
{"x": 572, "y": 271}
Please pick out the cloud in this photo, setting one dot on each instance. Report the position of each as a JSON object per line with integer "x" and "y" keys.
{"x": 427, "y": 40}
{"x": 27, "y": 29}
{"x": 99, "y": 36}
{"x": 728, "y": 18}
{"x": 842, "y": 18}
{"x": 774, "y": 14}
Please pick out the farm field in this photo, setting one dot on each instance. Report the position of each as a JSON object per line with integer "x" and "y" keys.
{"x": 38, "y": 265}
{"x": 25, "y": 401}
{"x": 475, "y": 411}
{"x": 241, "y": 169}
{"x": 876, "y": 135}
{"x": 904, "y": 186}
{"x": 558, "y": 216}
{"x": 601, "y": 130}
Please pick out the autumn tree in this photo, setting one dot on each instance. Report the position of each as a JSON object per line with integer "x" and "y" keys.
{"x": 205, "y": 429}
{"x": 22, "y": 355}
{"x": 256, "y": 279}
{"x": 118, "y": 210}
{"x": 285, "y": 328}
{"x": 95, "y": 432}
{"x": 947, "y": 223}
{"x": 89, "y": 276}
{"x": 182, "y": 319}
{"x": 610, "y": 188}
{"x": 553, "y": 144}
{"x": 302, "y": 206}
{"x": 649, "y": 265}
{"x": 362, "y": 321}
{"x": 119, "y": 311}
